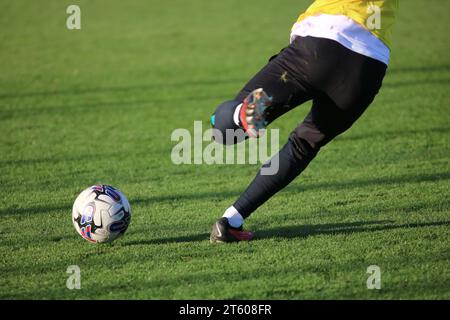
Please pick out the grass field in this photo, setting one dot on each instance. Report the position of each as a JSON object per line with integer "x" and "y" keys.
{"x": 98, "y": 105}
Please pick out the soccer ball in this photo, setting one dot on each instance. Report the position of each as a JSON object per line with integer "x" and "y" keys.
{"x": 101, "y": 213}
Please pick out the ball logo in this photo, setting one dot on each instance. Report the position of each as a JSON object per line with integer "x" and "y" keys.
{"x": 112, "y": 193}
{"x": 117, "y": 226}
{"x": 98, "y": 187}
{"x": 86, "y": 233}
{"x": 108, "y": 190}
{"x": 88, "y": 214}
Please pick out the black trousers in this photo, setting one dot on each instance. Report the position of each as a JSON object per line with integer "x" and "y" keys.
{"x": 341, "y": 84}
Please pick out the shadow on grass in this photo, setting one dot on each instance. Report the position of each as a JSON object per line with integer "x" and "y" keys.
{"x": 399, "y": 84}
{"x": 180, "y": 239}
{"x": 200, "y": 82}
{"x": 303, "y": 231}
{"x": 114, "y": 104}
{"x": 424, "y": 69}
{"x": 393, "y": 134}
{"x": 124, "y": 89}
{"x": 349, "y": 184}
{"x": 336, "y": 185}
{"x": 220, "y": 195}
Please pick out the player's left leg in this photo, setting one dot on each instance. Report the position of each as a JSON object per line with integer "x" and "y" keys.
{"x": 324, "y": 122}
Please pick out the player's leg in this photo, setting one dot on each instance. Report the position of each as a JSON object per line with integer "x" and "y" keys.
{"x": 278, "y": 81}
{"x": 344, "y": 84}
{"x": 324, "y": 122}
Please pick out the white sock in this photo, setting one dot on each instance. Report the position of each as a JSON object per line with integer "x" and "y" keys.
{"x": 234, "y": 217}
{"x": 236, "y": 117}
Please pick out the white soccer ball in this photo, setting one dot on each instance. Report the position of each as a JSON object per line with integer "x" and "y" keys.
{"x": 101, "y": 213}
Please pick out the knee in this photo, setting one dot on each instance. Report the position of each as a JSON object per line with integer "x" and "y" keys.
{"x": 306, "y": 142}
{"x": 225, "y": 129}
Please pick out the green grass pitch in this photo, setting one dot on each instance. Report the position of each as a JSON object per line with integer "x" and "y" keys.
{"x": 98, "y": 105}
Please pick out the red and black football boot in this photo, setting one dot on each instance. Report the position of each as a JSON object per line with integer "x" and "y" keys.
{"x": 223, "y": 232}
{"x": 252, "y": 114}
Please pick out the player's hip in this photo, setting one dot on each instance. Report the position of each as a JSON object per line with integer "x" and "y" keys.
{"x": 324, "y": 66}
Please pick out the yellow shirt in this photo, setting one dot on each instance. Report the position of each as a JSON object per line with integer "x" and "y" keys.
{"x": 377, "y": 16}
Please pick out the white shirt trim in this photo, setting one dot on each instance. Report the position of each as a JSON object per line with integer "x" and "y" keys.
{"x": 345, "y": 31}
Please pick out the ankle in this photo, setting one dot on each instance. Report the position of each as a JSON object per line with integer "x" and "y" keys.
{"x": 235, "y": 219}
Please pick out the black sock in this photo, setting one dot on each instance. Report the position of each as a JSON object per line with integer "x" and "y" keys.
{"x": 293, "y": 159}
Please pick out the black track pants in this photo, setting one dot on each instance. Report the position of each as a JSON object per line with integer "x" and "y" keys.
{"x": 341, "y": 84}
